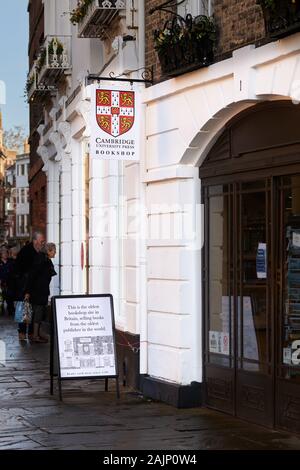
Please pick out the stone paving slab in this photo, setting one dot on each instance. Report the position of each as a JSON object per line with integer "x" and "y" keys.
{"x": 90, "y": 418}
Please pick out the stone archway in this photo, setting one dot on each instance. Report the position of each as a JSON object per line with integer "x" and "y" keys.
{"x": 250, "y": 180}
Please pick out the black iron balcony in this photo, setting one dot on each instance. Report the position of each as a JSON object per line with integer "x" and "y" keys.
{"x": 186, "y": 44}
{"x": 281, "y": 17}
{"x": 94, "y": 17}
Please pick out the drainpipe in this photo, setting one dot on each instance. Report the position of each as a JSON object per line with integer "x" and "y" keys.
{"x": 143, "y": 317}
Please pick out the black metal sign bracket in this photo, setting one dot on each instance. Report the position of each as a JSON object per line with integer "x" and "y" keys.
{"x": 147, "y": 77}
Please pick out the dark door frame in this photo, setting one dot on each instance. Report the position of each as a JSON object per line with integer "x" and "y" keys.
{"x": 285, "y": 394}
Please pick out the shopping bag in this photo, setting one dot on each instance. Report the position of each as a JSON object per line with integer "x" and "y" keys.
{"x": 27, "y": 313}
{"x": 19, "y": 312}
{"x": 23, "y": 312}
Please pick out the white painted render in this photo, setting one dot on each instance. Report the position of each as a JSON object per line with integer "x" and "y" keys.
{"x": 153, "y": 267}
{"x": 184, "y": 117}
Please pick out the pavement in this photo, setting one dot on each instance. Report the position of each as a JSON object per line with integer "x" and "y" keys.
{"x": 91, "y": 419}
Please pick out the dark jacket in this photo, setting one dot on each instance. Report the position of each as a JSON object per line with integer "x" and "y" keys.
{"x": 26, "y": 258}
{"x": 39, "y": 278}
{"x": 7, "y": 276}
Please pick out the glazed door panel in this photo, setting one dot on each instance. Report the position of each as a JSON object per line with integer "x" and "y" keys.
{"x": 218, "y": 275}
{"x": 288, "y": 294}
{"x": 238, "y": 286}
{"x": 253, "y": 313}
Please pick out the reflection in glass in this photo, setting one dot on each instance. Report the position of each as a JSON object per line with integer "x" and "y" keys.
{"x": 220, "y": 302}
{"x": 252, "y": 311}
{"x": 291, "y": 279}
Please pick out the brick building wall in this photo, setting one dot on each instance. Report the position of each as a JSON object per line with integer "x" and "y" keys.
{"x": 152, "y": 22}
{"x": 37, "y": 178}
{"x": 36, "y": 28}
{"x": 239, "y": 22}
{"x": 38, "y": 202}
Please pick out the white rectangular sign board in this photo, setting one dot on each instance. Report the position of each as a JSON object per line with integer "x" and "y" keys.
{"x": 85, "y": 336}
{"x": 115, "y": 122}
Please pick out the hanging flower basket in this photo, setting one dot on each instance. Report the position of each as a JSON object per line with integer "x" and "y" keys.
{"x": 186, "y": 44}
{"x": 281, "y": 17}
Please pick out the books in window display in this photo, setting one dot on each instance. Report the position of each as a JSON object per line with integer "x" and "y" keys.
{"x": 293, "y": 308}
{"x": 293, "y": 236}
{"x": 293, "y": 321}
{"x": 294, "y": 295}
{"x": 293, "y": 280}
{"x": 294, "y": 265}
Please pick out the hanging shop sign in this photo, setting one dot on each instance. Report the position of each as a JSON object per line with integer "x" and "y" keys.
{"x": 115, "y": 129}
{"x": 83, "y": 340}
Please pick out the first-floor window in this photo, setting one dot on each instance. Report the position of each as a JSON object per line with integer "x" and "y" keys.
{"x": 22, "y": 225}
{"x": 196, "y": 7}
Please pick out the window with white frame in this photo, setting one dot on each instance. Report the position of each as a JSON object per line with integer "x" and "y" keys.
{"x": 23, "y": 193}
{"x": 196, "y": 7}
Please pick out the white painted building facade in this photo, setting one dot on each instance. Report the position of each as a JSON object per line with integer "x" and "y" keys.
{"x": 22, "y": 196}
{"x": 154, "y": 273}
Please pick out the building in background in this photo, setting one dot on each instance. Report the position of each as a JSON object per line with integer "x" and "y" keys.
{"x": 7, "y": 160}
{"x": 215, "y": 326}
{"x": 22, "y": 196}
{"x": 17, "y": 217}
{"x": 10, "y": 206}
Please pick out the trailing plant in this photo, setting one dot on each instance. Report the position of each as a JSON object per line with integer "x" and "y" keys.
{"x": 281, "y": 17}
{"x": 78, "y": 13}
{"x": 60, "y": 47}
{"x": 43, "y": 53}
{"x": 29, "y": 83}
{"x": 272, "y": 4}
{"x": 184, "y": 44}
{"x": 179, "y": 31}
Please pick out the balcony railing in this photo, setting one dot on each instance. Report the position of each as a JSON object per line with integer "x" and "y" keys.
{"x": 281, "y": 17}
{"x": 186, "y": 44}
{"x": 33, "y": 87}
{"x": 94, "y": 17}
{"x": 31, "y": 84}
{"x": 54, "y": 58}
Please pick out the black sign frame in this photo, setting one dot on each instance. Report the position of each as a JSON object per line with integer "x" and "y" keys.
{"x": 55, "y": 367}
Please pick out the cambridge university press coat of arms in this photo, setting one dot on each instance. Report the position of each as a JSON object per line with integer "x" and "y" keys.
{"x": 115, "y": 111}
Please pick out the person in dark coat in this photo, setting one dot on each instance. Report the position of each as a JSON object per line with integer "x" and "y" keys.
{"x": 26, "y": 258}
{"x": 38, "y": 289}
{"x": 6, "y": 274}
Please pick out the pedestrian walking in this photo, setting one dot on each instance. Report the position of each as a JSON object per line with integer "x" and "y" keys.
{"x": 29, "y": 255}
{"x": 38, "y": 289}
{"x": 6, "y": 272}
{"x": 10, "y": 293}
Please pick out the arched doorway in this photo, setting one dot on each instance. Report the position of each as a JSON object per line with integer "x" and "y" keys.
{"x": 251, "y": 267}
